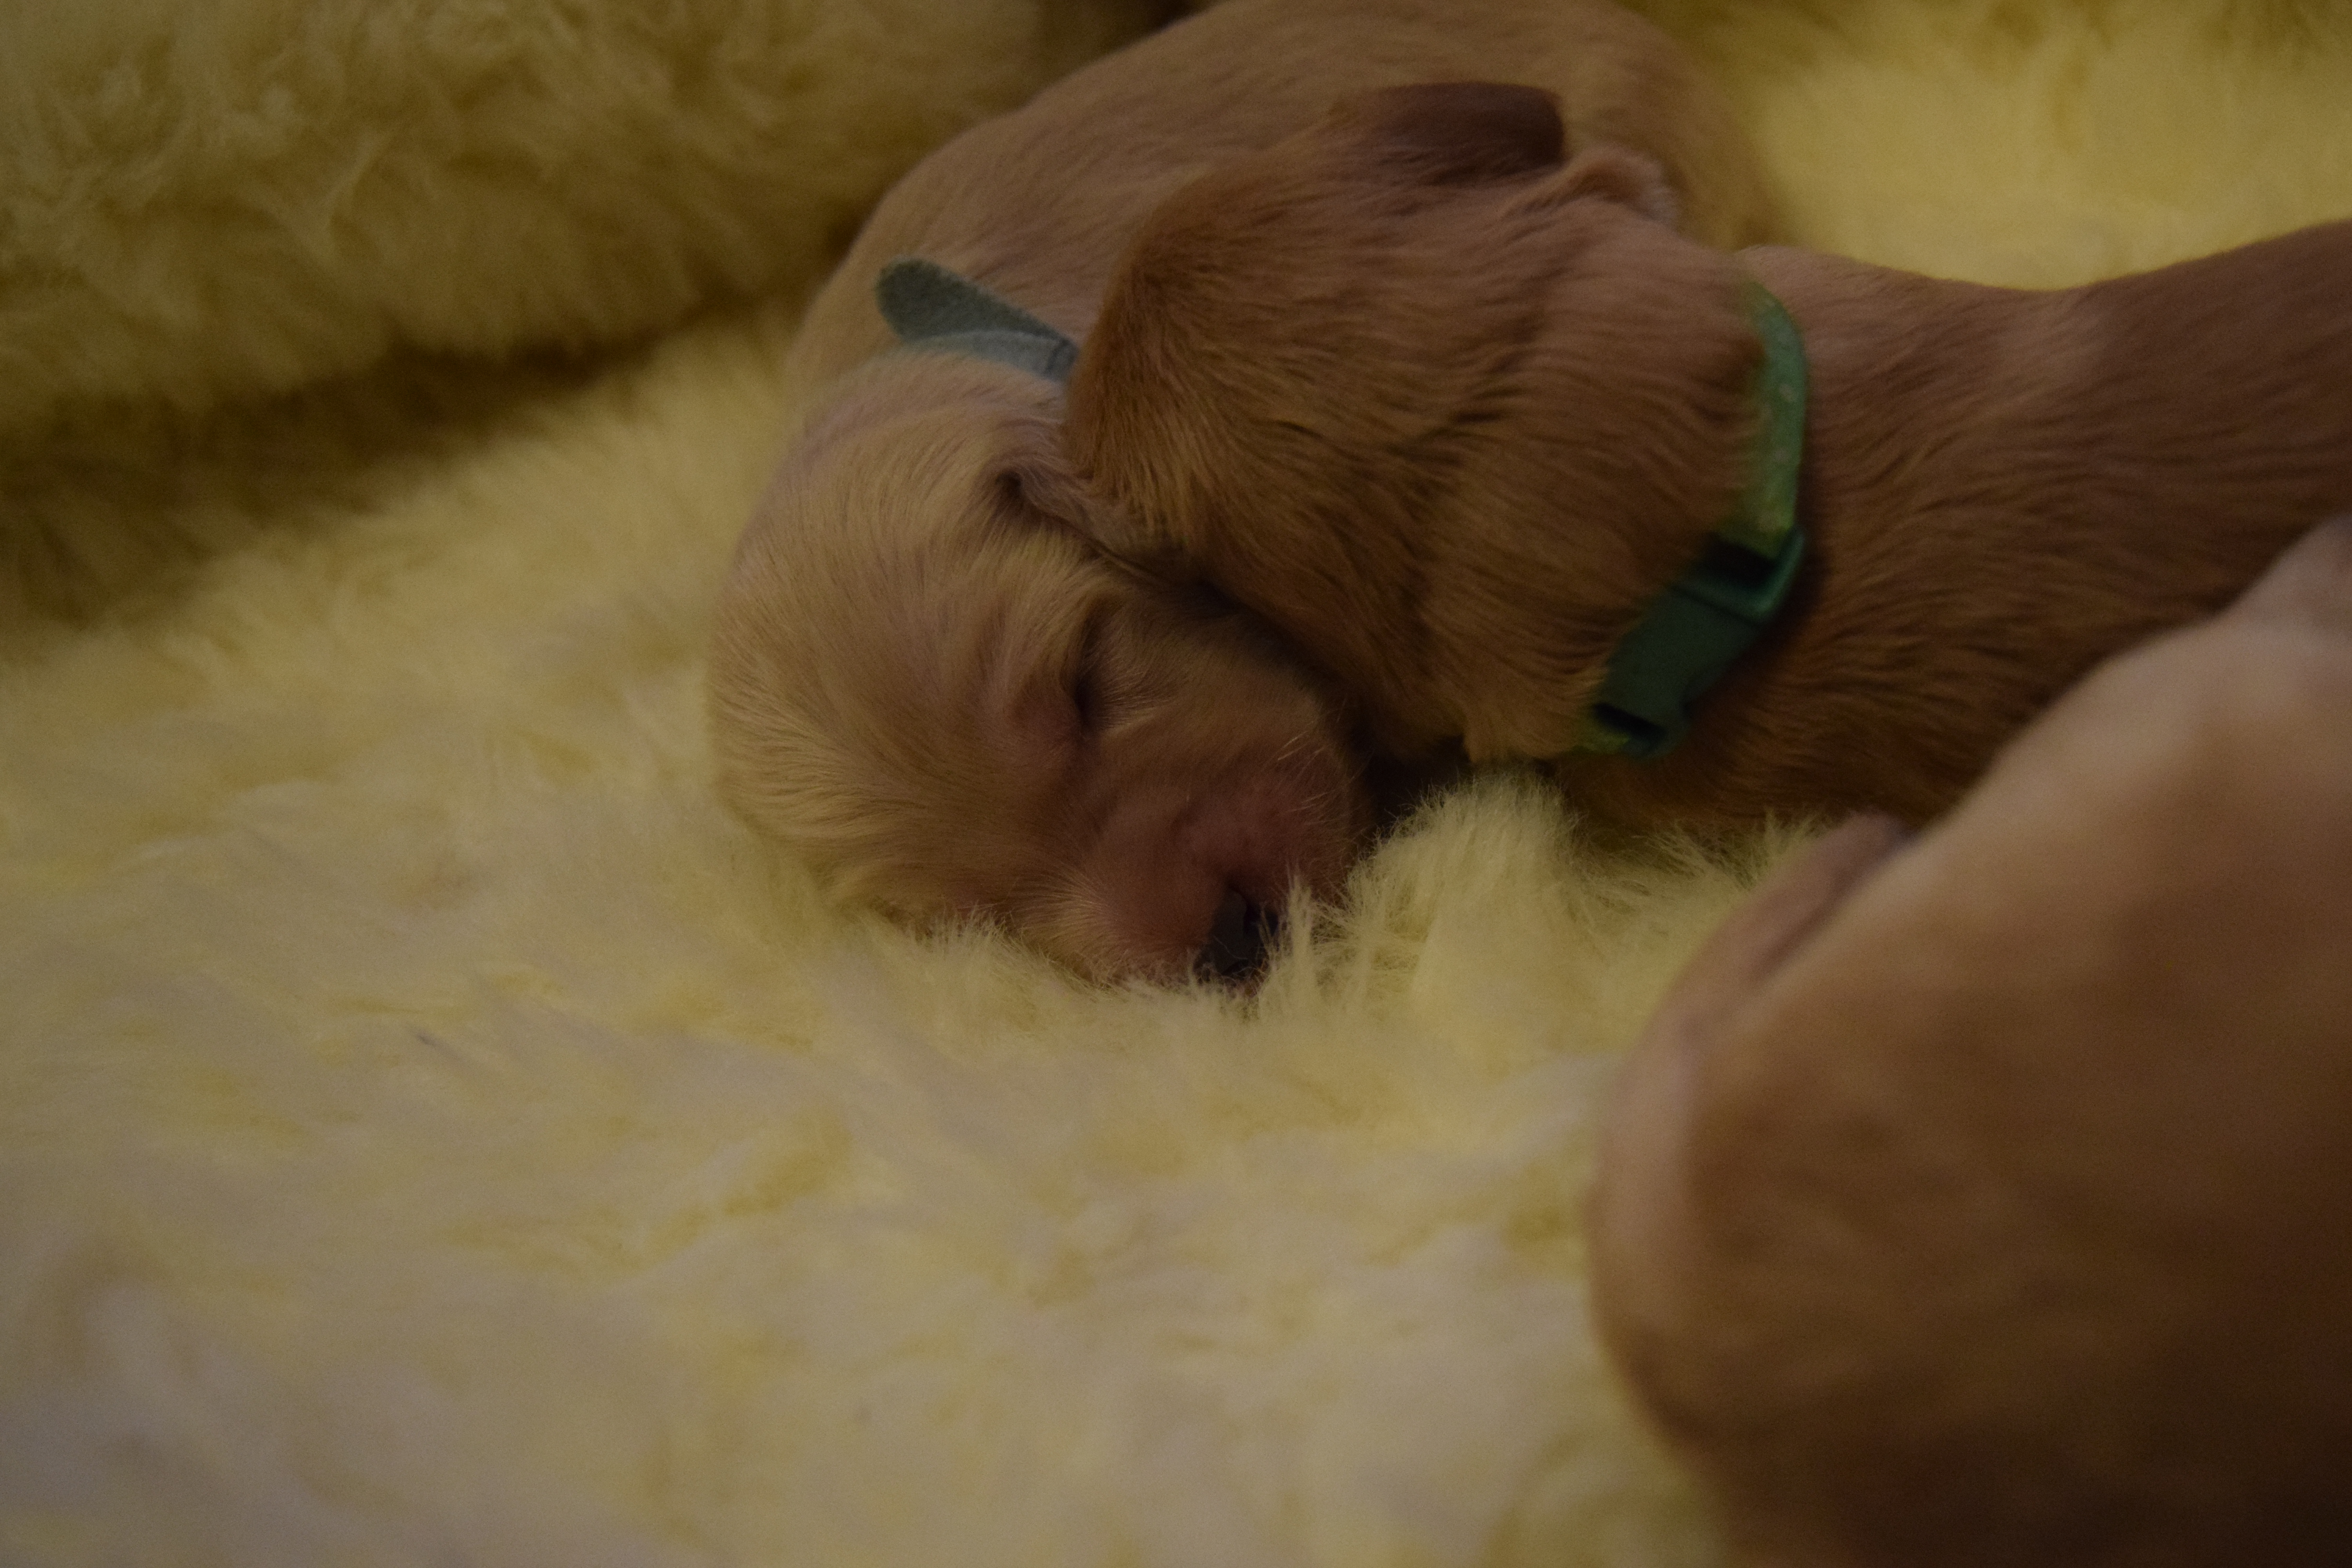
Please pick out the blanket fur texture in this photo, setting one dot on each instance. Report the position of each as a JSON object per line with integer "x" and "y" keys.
{"x": 432, "y": 1131}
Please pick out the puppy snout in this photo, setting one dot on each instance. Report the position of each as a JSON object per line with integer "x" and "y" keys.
{"x": 1241, "y": 937}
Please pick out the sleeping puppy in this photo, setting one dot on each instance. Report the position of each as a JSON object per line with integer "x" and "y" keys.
{"x": 924, "y": 676}
{"x": 1988, "y": 1200}
{"x": 1497, "y": 449}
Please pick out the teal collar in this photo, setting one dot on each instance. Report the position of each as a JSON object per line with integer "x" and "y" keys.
{"x": 1691, "y": 633}
{"x": 931, "y": 307}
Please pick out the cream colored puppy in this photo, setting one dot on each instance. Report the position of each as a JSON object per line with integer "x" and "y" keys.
{"x": 1988, "y": 1198}
{"x": 925, "y": 678}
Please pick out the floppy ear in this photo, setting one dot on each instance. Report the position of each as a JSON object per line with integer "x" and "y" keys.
{"x": 1118, "y": 409}
{"x": 1037, "y": 479}
{"x": 1125, "y": 534}
{"x": 2310, "y": 584}
{"x": 1609, "y": 172}
{"x": 1034, "y": 476}
{"x": 1455, "y": 132}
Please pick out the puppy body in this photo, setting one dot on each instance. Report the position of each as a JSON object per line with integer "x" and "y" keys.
{"x": 2003, "y": 489}
{"x": 1984, "y": 1197}
{"x": 925, "y": 676}
{"x": 1998, "y": 487}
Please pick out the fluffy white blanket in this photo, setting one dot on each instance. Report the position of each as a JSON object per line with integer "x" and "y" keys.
{"x": 432, "y": 1131}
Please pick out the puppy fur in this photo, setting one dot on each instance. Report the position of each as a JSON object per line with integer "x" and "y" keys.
{"x": 925, "y": 676}
{"x": 1452, "y": 432}
{"x": 1984, "y": 1198}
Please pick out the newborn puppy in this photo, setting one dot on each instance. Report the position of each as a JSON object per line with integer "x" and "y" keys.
{"x": 1457, "y": 435}
{"x": 1989, "y": 1200}
{"x": 925, "y": 678}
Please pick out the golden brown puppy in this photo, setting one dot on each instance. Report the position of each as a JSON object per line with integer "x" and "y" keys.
{"x": 1988, "y": 1200}
{"x": 924, "y": 677}
{"x": 1456, "y": 423}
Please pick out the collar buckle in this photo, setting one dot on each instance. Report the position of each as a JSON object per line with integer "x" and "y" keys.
{"x": 1710, "y": 615}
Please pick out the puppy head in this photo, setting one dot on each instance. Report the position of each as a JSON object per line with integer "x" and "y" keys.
{"x": 1986, "y": 1198}
{"x": 1446, "y": 408}
{"x": 924, "y": 680}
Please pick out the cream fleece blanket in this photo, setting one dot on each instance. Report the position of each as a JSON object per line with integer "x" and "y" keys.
{"x": 432, "y": 1131}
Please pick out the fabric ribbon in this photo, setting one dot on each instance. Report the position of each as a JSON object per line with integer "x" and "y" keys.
{"x": 931, "y": 307}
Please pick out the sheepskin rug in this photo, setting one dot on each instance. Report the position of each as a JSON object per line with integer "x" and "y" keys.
{"x": 432, "y": 1131}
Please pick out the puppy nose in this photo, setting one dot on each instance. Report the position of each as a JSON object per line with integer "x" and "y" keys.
{"x": 1240, "y": 939}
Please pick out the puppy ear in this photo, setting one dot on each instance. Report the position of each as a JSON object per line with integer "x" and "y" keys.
{"x": 1776, "y": 920}
{"x": 1040, "y": 483}
{"x": 1456, "y": 133}
{"x": 2309, "y": 585}
{"x": 1034, "y": 481}
{"x": 1130, "y": 539}
{"x": 1120, "y": 415}
{"x": 1609, "y": 172}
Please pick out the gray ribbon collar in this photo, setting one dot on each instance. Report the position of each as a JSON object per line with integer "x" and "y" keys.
{"x": 931, "y": 307}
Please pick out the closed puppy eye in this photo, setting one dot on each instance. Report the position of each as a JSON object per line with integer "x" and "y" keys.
{"x": 1061, "y": 697}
